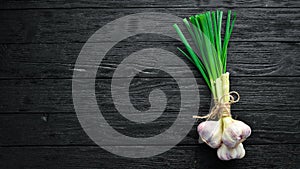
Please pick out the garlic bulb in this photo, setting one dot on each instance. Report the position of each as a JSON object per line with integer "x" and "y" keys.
{"x": 227, "y": 153}
{"x": 211, "y": 133}
{"x": 235, "y": 132}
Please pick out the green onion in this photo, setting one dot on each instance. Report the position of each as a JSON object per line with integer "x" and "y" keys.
{"x": 210, "y": 54}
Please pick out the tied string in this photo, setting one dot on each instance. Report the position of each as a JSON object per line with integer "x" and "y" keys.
{"x": 221, "y": 109}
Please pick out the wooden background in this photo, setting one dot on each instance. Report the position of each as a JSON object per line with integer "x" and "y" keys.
{"x": 41, "y": 39}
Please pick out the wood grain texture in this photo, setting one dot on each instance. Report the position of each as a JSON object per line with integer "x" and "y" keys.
{"x": 77, "y": 25}
{"x": 198, "y": 156}
{"x": 55, "y": 95}
{"x": 58, "y": 60}
{"x": 40, "y": 41}
{"x": 25, "y": 4}
{"x": 57, "y": 129}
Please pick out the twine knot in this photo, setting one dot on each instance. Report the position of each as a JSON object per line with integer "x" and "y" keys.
{"x": 221, "y": 109}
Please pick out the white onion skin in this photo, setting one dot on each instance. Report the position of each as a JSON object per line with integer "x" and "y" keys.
{"x": 227, "y": 153}
{"x": 235, "y": 132}
{"x": 211, "y": 133}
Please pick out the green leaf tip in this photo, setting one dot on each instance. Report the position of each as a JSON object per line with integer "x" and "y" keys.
{"x": 205, "y": 32}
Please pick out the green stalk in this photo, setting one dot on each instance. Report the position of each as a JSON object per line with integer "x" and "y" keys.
{"x": 217, "y": 38}
{"x": 210, "y": 54}
{"x": 194, "y": 57}
{"x": 227, "y": 37}
{"x": 219, "y": 21}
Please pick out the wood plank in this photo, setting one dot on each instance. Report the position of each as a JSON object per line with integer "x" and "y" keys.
{"x": 55, "y": 95}
{"x": 77, "y": 25}
{"x": 268, "y": 127}
{"x": 270, "y": 156}
{"x": 58, "y": 60}
{"x": 23, "y": 4}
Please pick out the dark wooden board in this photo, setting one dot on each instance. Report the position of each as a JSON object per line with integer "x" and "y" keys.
{"x": 198, "y": 156}
{"x": 25, "y": 4}
{"x": 55, "y": 95}
{"x": 77, "y": 25}
{"x": 40, "y": 41}
{"x": 58, "y": 60}
{"x": 268, "y": 127}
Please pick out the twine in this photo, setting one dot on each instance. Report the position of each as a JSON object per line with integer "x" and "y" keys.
{"x": 221, "y": 109}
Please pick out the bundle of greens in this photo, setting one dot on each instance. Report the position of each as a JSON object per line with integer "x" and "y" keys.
{"x": 208, "y": 53}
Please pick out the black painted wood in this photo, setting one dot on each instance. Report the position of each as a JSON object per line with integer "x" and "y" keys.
{"x": 58, "y": 60}
{"x": 40, "y": 41}
{"x": 48, "y": 129}
{"x": 55, "y": 95}
{"x": 24, "y": 4}
{"x": 197, "y": 156}
{"x": 77, "y": 25}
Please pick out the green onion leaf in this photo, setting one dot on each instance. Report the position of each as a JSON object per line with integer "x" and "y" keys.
{"x": 210, "y": 53}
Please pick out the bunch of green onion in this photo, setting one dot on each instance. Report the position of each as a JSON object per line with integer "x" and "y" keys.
{"x": 208, "y": 53}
